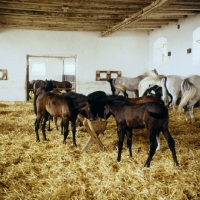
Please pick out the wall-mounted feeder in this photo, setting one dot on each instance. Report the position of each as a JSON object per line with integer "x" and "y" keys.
{"x": 106, "y": 75}
{"x": 3, "y": 74}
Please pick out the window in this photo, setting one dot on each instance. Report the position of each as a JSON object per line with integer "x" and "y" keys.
{"x": 163, "y": 50}
{"x": 69, "y": 66}
{"x": 38, "y": 68}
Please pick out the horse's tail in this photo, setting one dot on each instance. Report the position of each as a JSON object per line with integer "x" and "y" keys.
{"x": 153, "y": 75}
{"x": 160, "y": 114}
{"x": 111, "y": 81}
{"x": 171, "y": 97}
{"x": 188, "y": 92}
{"x": 34, "y": 103}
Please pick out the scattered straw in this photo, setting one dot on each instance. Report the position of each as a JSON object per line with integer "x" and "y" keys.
{"x": 52, "y": 170}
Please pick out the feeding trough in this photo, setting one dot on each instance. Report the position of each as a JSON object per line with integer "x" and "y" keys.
{"x": 94, "y": 128}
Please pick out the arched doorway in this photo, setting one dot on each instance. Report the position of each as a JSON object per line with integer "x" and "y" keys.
{"x": 160, "y": 54}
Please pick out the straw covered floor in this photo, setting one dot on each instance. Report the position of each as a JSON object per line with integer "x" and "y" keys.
{"x": 52, "y": 170}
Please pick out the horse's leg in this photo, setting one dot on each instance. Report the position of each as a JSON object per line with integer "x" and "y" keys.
{"x": 46, "y": 117}
{"x": 49, "y": 120}
{"x": 37, "y": 124}
{"x": 125, "y": 94}
{"x": 190, "y": 106}
{"x": 61, "y": 126}
{"x": 129, "y": 141}
{"x": 191, "y": 112}
{"x": 65, "y": 122}
{"x": 55, "y": 122}
{"x": 171, "y": 144}
{"x": 153, "y": 146}
{"x": 158, "y": 141}
{"x": 120, "y": 132}
{"x": 175, "y": 98}
{"x": 73, "y": 129}
{"x": 186, "y": 112}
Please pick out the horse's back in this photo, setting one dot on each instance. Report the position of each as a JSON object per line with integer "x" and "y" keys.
{"x": 39, "y": 83}
{"x": 129, "y": 83}
{"x": 141, "y": 115}
{"x": 55, "y": 104}
{"x": 195, "y": 80}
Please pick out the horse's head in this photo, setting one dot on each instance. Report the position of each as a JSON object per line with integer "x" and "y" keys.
{"x": 107, "y": 112}
{"x": 95, "y": 104}
{"x": 49, "y": 86}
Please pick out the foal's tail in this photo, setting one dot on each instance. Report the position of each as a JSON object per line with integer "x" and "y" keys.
{"x": 158, "y": 112}
{"x": 188, "y": 92}
{"x": 34, "y": 103}
{"x": 171, "y": 97}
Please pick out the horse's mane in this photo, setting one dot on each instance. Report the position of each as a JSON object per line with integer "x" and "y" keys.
{"x": 153, "y": 75}
{"x": 74, "y": 95}
{"x": 95, "y": 96}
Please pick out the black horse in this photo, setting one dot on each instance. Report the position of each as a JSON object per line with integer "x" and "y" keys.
{"x": 66, "y": 85}
{"x": 150, "y": 115}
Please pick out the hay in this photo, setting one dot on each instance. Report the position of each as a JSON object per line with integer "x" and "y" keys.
{"x": 52, "y": 170}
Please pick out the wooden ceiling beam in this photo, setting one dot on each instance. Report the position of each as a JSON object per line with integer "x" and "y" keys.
{"x": 53, "y": 27}
{"x": 174, "y": 13}
{"x": 73, "y": 7}
{"x": 158, "y": 20}
{"x": 183, "y": 7}
{"x": 124, "y": 12}
{"x": 58, "y": 23}
{"x": 138, "y": 15}
{"x": 98, "y": 3}
{"x": 98, "y": 15}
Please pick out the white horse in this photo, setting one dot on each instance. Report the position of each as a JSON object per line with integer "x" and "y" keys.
{"x": 190, "y": 88}
{"x": 123, "y": 84}
{"x": 171, "y": 86}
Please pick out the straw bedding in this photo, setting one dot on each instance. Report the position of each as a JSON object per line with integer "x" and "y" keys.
{"x": 52, "y": 170}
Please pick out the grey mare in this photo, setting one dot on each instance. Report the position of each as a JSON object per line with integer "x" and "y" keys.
{"x": 171, "y": 85}
{"x": 123, "y": 84}
{"x": 190, "y": 88}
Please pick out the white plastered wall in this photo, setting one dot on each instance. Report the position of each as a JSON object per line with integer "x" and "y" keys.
{"x": 124, "y": 51}
{"x": 178, "y": 41}
{"x": 130, "y": 52}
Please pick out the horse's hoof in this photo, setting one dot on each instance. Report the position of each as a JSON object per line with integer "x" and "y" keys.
{"x": 176, "y": 164}
{"x": 147, "y": 165}
{"x": 37, "y": 140}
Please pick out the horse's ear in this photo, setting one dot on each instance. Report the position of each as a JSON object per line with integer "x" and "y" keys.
{"x": 155, "y": 71}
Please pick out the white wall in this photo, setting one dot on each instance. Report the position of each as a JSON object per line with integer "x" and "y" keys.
{"x": 129, "y": 52}
{"x": 178, "y": 41}
{"x": 125, "y": 51}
